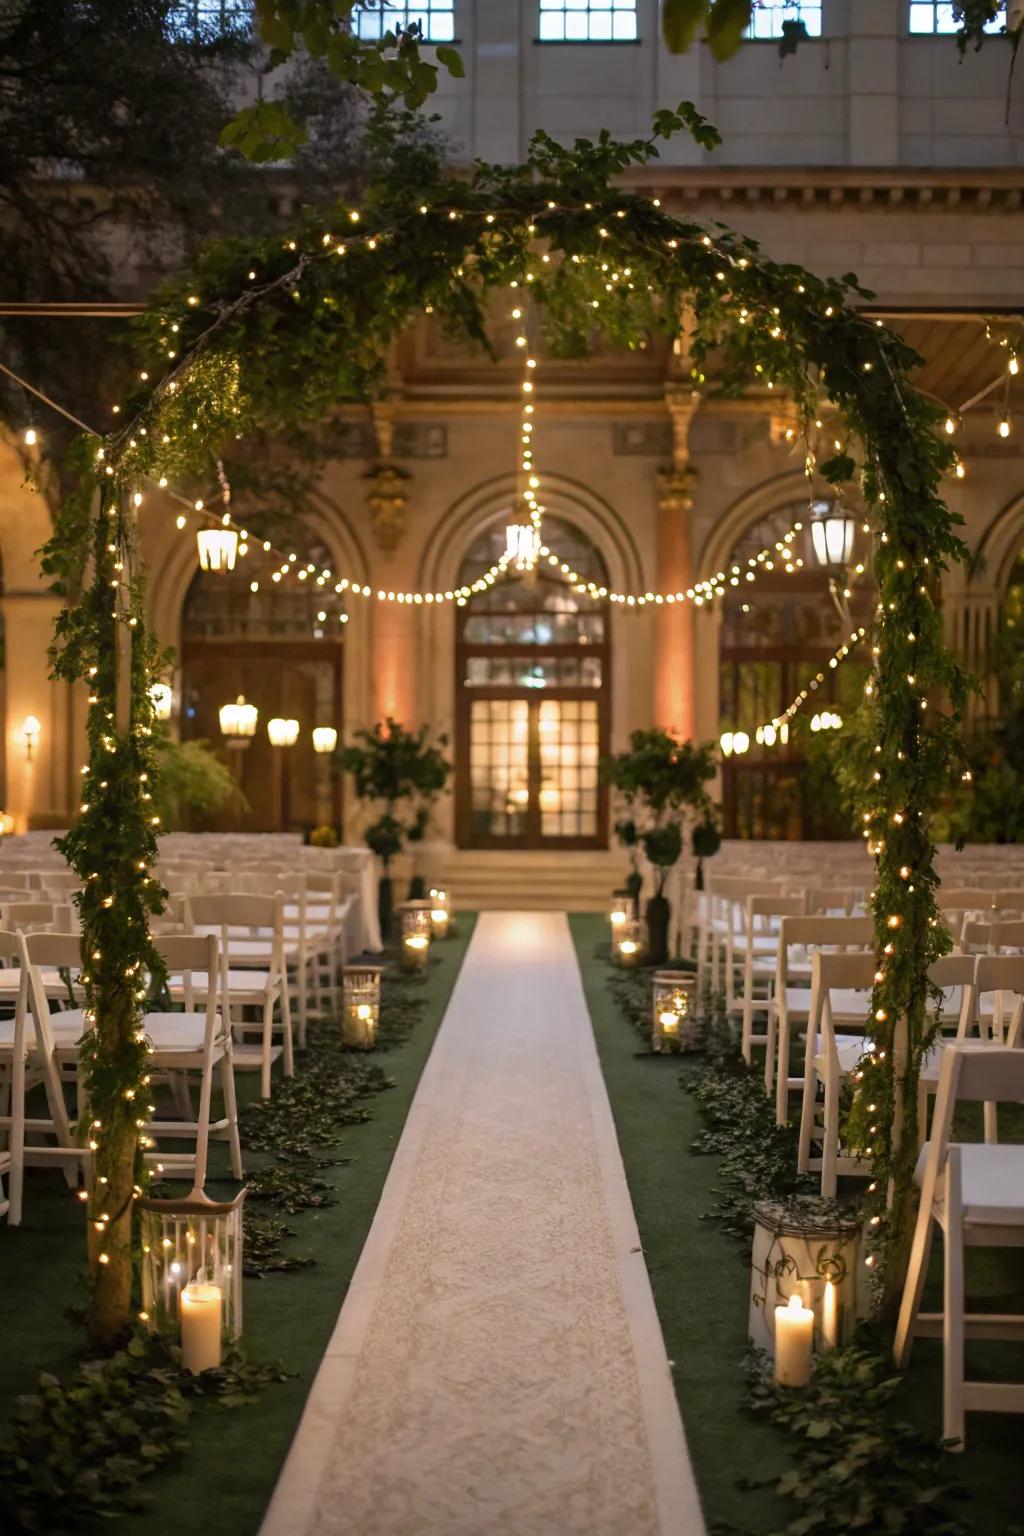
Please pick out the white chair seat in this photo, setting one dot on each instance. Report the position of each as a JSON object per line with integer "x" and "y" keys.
{"x": 992, "y": 1180}
{"x": 10, "y": 981}
{"x": 169, "y": 1032}
{"x": 241, "y": 985}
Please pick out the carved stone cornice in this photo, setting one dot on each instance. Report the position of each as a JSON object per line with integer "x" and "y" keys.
{"x": 996, "y": 189}
{"x": 387, "y": 497}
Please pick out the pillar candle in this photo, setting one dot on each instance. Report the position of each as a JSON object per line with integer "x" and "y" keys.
{"x": 794, "y": 1342}
{"x": 439, "y": 920}
{"x": 360, "y": 1026}
{"x": 201, "y": 1310}
{"x": 830, "y": 1315}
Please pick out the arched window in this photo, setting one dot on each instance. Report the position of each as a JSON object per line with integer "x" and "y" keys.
{"x": 532, "y": 688}
{"x": 777, "y": 635}
{"x": 280, "y": 648}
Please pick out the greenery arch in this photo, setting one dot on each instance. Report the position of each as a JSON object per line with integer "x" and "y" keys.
{"x": 269, "y": 334}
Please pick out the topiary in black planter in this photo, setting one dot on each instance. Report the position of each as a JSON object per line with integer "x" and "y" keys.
{"x": 657, "y": 915}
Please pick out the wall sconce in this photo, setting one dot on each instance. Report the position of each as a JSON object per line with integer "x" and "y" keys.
{"x": 163, "y": 699}
{"x": 282, "y": 733}
{"x": 218, "y": 548}
{"x": 325, "y": 738}
{"x": 30, "y": 730}
{"x": 238, "y": 721}
{"x": 6, "y": 824}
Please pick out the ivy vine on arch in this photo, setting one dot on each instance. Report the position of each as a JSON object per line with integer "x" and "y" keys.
{"x": 272, "y": 333}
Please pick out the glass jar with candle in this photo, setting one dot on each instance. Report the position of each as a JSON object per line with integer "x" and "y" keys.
{"x": 440, "y": 912}
{"x": 192, "y": 1273}
{"x": 620, "y": 910}
{"x": 360, "y": 1006}
{"x": 417, "y": 932}
{"x": 628, "y": 943}
{"x": 672, "y": 1026}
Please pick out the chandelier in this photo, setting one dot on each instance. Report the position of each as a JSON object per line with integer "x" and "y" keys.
{"x": 522, "y": 546}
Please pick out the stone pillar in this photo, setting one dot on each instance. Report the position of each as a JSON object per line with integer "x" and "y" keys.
{"x": 38, "y": 788}
{"x": 674, "y": 672}
{"x": 395, "y": 625}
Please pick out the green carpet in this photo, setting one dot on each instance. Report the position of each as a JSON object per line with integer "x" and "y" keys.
{"x": 701, "y": 1283}
{"x": 225, "y": 1479}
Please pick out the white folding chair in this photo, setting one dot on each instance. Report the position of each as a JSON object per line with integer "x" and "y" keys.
{"x": 30, "y": 1052}
{"x": 36, "y": 917}
{"x": 190, "y": 1040}
{"x": 791, "y": 996}
{"x": 253, "y": 974}
{"x": 840, "y": 987}
{"x": 760, "y": 956}
{"x": 975, "y": 1193}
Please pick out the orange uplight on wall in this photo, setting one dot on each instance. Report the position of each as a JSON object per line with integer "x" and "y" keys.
{"x": 6, "y": 824}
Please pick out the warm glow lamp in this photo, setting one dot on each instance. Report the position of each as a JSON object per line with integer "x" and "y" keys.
{"x": 282, "y": 733}
{"x": 831, "y": 535}
{"x": 30, "y": 730}
{"x": 163, "y": 699}
{"x": 218, "y": 548}
{"x": 238, "y": 720}
{"x": 325, "y": 738}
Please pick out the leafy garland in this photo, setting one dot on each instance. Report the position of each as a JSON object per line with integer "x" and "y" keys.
{"x": 271, "y": 333}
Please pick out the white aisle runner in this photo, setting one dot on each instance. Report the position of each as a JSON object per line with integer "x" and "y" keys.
{"x": 497, "y": 1368}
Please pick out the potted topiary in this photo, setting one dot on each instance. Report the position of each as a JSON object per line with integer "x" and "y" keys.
{"x": 403, "y": 773}
{"x": 662, "y": 783}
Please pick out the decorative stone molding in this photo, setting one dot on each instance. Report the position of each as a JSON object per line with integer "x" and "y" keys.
{"x": 387, "y": 497}
{"x": 1001, "y": 188}
{"x": 677, "y": 489}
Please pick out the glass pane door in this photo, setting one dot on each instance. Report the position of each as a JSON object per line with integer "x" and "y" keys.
{"x": 569, "y": 751}
{"x": 499, "y": 756}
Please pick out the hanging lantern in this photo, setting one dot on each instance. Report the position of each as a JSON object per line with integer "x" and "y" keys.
{"x": 325, "y": 738}
{"x": 417, "y": 930}
{"x": 282, "y": 733}
{"x": 361, "y": 1006}
{"x": 628, "y": 943}
{"x": 440, "y": 912}
{"x": 163, "y": 700}
{"x": 522, "y": 546}
{"x": 672, "y": 1026}
{"x": 218, "y": 548}
{"x": 192, "y": 1273}
{"x": 238, "y": 721}
{"x": 832, "y": 535}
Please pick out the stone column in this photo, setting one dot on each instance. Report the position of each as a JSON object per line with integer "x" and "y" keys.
{"x": 674, "y": 672}
{"x": 38, "y": 787}
{"x": 395, "y": 625}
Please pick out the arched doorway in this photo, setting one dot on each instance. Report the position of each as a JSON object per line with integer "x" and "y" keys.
{"x": 777, "y": 634}
{"x": 281, "y": 648}
{"x": 533, "y": 694}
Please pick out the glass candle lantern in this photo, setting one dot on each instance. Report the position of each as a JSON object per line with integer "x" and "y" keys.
{"x": 361, "y": 1006}
{"x": 440, "y": 912}
{"x": 620, "y": 911}
{"x": 417, "y": 931}
{"x": 672, "y": 1027}
{"x": 628, "y": 943}
{"x": 192, "y": 1273}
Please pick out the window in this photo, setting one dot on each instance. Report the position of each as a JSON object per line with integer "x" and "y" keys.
{"x": 435, "y": 19}
{"x": 209, "y": 19}
{"x": 938, "y": 18}
{"x": 768, "y": 16}
{"x": 588, "y": 21}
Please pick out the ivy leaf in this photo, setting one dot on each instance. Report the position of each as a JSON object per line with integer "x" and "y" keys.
{"x": 793, "y": 34}
{"x": 727, "y": 22}
{"x": 680, "y": 20}
{"x": 451, "y": 58}
{"x": 838, "y": 468}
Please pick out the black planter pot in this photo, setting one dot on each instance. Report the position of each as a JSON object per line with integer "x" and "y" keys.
{"x": 385, "y": 906}
{"x": 658, "y": 914}
{"x": 417, "y": 888}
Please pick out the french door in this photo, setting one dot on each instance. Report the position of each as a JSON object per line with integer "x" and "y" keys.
{"x": 531, "y": 769}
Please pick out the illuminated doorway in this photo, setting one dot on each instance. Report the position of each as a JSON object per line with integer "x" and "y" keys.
{"x": 533, "y": 699}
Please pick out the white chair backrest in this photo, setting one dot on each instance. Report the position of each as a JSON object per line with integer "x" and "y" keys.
{"x": 1008, "y": 935}
{"x": 186, "y": 955}
{"x": 972, "y": 1072}
{"x": 56, "y": 951}
{"x": 35, "y": 917}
